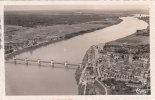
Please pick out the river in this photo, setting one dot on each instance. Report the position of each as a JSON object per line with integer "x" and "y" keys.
{"x": 34, "y": 80}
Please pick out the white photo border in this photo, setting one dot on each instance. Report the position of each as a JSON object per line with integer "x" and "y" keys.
{"x": 81, "y": 97}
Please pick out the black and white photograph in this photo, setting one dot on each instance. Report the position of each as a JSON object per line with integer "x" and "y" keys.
{"x": 77, "y": 50}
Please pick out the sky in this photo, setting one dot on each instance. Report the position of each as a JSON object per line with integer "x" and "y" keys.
{"x": 75, "y": 7}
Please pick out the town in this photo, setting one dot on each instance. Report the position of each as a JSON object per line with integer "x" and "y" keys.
{"x": 118, "y": 67}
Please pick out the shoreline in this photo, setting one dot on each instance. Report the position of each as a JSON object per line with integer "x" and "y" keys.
{"x": 45, "y": 43}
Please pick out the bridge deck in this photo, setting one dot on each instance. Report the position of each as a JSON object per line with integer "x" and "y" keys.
{"x": 38, "y": 61}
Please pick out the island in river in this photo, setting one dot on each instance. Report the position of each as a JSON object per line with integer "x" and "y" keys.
{"x": 120, "y": 67}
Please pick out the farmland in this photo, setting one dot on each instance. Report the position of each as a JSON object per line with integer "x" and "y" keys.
{"x": 24, "y": 29}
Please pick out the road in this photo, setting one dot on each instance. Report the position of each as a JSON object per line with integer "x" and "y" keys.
{"x": 106, "y": 91}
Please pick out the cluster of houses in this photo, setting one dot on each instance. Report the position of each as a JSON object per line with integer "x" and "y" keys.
{"x": 142, "y": 79}
{"x": 14, "y": 46}
{"x": 129, "y": 67}
{"x": 11, "y": 46}
{"x": 120, "y": 66}
{"x": 125, "y": 67}
{"x": 14, "y": 41}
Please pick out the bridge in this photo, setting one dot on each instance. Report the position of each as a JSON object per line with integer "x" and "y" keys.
{"x": 39, "y": 62}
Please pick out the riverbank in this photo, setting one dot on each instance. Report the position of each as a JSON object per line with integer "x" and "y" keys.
{"x": 57, "y": 39}
{"x": 110, "y": 58}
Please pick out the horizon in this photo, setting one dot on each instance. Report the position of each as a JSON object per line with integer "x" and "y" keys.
{"x": 76, "y": 7}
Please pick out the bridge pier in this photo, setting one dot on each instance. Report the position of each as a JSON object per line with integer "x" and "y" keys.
{"x": 52, "y": 63}
{"x": 26, "y": 61}
{"x": 14, "y": 59}
{"x": 39, "y": 62}
{"x": 80, "y": 65}
{"x": 66, "y": 64}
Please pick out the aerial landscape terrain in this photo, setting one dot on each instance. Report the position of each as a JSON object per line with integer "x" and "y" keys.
{"x": 116, "y": 66}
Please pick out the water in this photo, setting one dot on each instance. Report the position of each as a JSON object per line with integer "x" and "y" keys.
{"x": 34, "y": 80}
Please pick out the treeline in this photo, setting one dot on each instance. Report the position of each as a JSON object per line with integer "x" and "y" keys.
{"x": 32, "y": 20}
{"x": 139, "y": 49}
{"x": 68, "y": 36}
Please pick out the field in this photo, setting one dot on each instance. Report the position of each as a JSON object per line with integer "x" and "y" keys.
{"x": 24, "y": 29}
{"x": 141, "y": 37}
{"x": 132, "y": 40}
{"x": 46, "y": 18}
